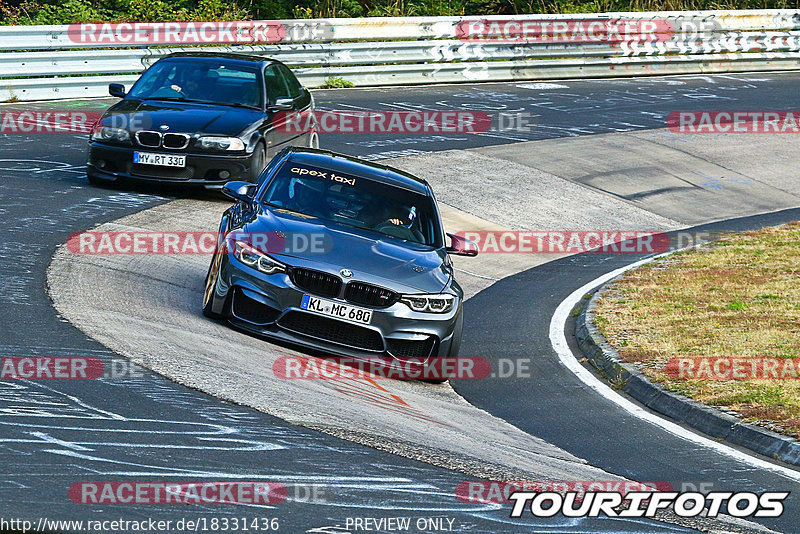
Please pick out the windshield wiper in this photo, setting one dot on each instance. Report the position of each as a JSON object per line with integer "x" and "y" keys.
{"x": 194, "y": 100}
{"x": 162, "y": 98}
{"x": 232, "y": 104}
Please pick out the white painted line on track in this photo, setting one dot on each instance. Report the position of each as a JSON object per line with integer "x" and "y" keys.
{"x": 476, "y": 274}
{"x": 559, "y": 341}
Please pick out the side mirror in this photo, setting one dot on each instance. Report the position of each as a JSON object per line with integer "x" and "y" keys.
{"x": 282, "y": 104}
{"x": 116, "y": 89}
{"x": 461, "y": 246}
{"x": 241, "y": 191}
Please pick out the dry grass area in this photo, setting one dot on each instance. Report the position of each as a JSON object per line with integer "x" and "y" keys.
{"x": 738, "y": 297}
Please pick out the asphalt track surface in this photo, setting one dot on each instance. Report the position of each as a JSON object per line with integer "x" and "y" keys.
{"x": 587, "y": 424}
{"x": 57, "y": 433}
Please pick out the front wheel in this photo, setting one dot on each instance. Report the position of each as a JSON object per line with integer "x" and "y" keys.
{"x": 313, "y": 140}
{"x": 211, "y": 285}
{"x": 257, "y": 163}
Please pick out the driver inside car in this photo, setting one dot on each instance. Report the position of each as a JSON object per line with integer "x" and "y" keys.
{"x": 399, "y": 222}
{"x": 193, "y": 82}
{"x": 305, "y": 196}
{"x": 406, "y": 220}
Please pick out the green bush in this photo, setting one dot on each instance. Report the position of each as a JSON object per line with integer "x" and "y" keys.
{"x": 272, "y": 9}
{"x": 69, "y": 11}
{"x": 337, "y": 83}
{"x": 31, "y": 12}
{"x": 154, "y": 11}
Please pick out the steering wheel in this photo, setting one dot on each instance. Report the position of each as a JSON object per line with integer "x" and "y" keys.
{"x": 400, "y": 232}
{"x": 168, "y": 91}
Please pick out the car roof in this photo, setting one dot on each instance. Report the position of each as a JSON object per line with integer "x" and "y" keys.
{"x": 246, "y": 58}
{"x": 358, "y": 167}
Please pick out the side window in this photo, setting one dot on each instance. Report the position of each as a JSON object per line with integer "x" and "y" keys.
{"x": 275, "y": 84}
{"x": 295, "y": 89}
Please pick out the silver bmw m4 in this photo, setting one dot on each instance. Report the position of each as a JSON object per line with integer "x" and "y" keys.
{"x": 341, "y": 255}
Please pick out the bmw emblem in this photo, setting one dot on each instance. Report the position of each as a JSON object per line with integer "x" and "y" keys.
{"x": 163, "y": 127}
{"x": 347, "y": 273}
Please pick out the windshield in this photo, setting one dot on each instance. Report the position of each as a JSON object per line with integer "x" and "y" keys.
{"x": 200, "y": 80}
{"x": 355, "y": 201}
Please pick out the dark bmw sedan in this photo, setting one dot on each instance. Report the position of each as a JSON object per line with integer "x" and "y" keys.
{"x": 200, "y": 118}
{"x": 341, "y": 255}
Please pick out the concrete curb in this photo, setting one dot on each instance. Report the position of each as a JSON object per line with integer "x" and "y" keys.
{"x": 706, "y": 419}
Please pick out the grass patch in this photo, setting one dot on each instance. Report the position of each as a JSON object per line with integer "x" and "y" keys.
{"x": 738, "y": 297}
{"x": 336, "y": 82}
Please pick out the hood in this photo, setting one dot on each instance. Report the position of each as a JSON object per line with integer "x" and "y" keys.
{"x": 380, "y": 260}
{"x": 184, "y": 117}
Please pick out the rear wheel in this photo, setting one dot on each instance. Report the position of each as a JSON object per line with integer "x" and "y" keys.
{"x": 257, "y": 162}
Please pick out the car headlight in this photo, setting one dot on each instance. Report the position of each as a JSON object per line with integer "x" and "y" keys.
{"x": 107, "y": 133}
{"x": 209, "y": 142}
{"x": 257, "y": 260}
{"x": 438, "y": 303}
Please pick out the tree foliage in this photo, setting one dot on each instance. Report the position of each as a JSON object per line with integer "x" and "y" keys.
{"x": 69, "y": 11}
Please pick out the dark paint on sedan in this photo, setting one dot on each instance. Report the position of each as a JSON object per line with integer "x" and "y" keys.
{"x": 199, "y": 118}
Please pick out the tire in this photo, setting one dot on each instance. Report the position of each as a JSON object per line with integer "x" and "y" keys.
{"x": 257, "y": 163}
{"x": 211, "y": 286}
{"x": 313, "y": 140}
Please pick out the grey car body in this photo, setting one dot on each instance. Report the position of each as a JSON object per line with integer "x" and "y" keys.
{"x": 355, "y": 266}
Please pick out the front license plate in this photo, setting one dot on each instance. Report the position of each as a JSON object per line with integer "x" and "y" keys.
{"x": 164, "y": 160}
{"x": 344, "y": 312}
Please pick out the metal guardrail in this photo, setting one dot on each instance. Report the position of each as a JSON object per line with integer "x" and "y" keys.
{"x": 47, "y": 62}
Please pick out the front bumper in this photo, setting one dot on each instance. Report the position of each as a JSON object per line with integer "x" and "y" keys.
{"x": 112, "y": 162}
{"x": 269, "y": 305}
